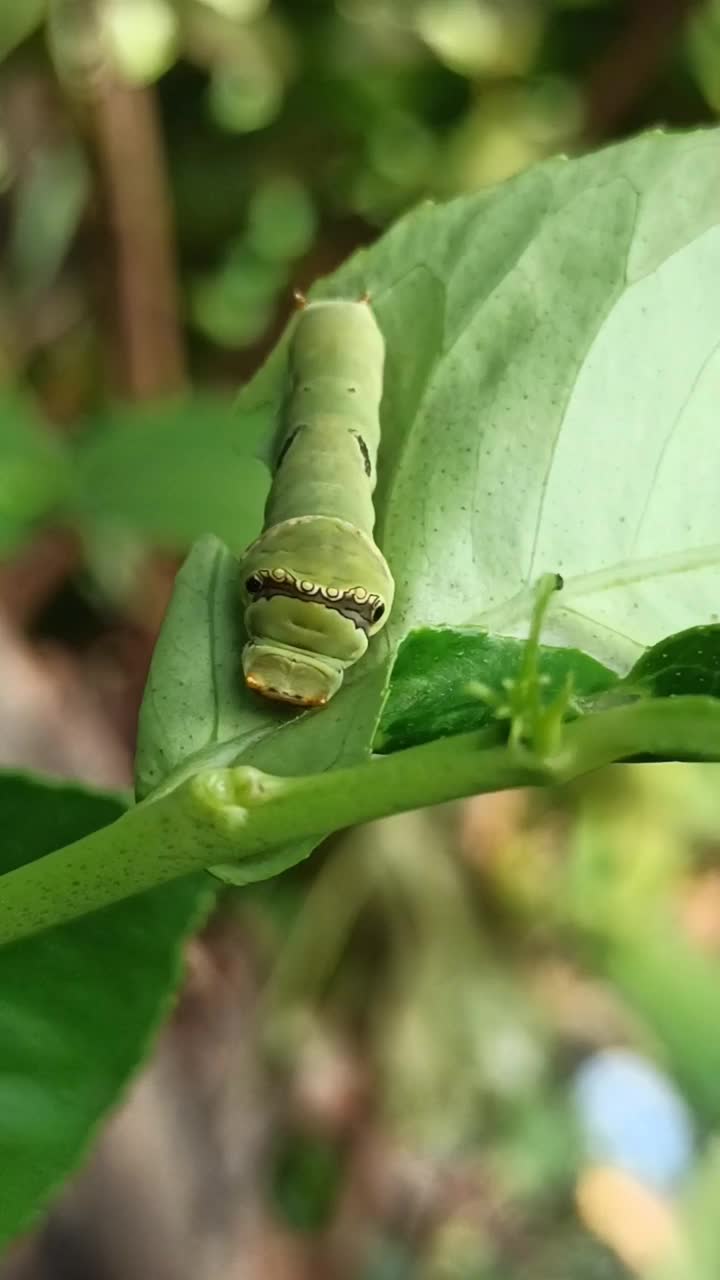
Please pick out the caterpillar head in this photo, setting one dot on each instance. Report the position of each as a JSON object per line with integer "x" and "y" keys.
{"x": 304, "y": 635}
{"x": 284, "y": 674}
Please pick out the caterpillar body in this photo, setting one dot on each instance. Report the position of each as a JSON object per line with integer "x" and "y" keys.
{"x": 315, "y": 585}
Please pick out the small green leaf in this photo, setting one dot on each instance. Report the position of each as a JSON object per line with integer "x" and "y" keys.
{"x": 79, "y": 1003}
{"x": 431, "y": 691}
{"x": 50, "y": 202}
{"x": 172, "y": 472}
{"x": 685, "y": 663}
{"x": 195, "y": 699}
{"x": 34, "y": 469}
{"x": 198, "y": 711}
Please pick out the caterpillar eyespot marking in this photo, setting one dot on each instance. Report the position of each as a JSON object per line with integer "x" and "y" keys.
{"x": 353, "y": 602}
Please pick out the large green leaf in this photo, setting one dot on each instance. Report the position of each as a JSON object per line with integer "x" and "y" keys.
{"x": 566, "y": 426}
{"x": 78, "y": 1004}
{"x": 552, "y": 371}
{"x": 549, "y": 405}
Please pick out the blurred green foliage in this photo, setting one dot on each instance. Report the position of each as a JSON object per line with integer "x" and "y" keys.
{"x": 286, "y": 121}
{"x": 35, "y": 471}
{"x": 476, "y": 984}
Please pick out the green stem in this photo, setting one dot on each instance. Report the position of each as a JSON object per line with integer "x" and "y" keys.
{"x": 683, "y": 728}
{"x": 234, "y": 814}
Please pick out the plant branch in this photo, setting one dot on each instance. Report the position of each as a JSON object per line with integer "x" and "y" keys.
{"x": 238, "y": 814}
{"x": 145, "y": 303}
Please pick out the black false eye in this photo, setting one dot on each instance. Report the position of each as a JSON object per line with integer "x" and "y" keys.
{"x": 377, "y": 612}
{"x": 253, "y": 584}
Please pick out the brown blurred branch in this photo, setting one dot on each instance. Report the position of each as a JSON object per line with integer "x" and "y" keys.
{"x": 142, "y": 318}
{"x": 628, "y": 68}
{"x": 140, "y": 301}
{"x": 148, "y": 356}
{"x": 28, "y": 580}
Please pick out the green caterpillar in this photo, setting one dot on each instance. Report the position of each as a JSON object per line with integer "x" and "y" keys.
{"x": 315, "y": 585}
